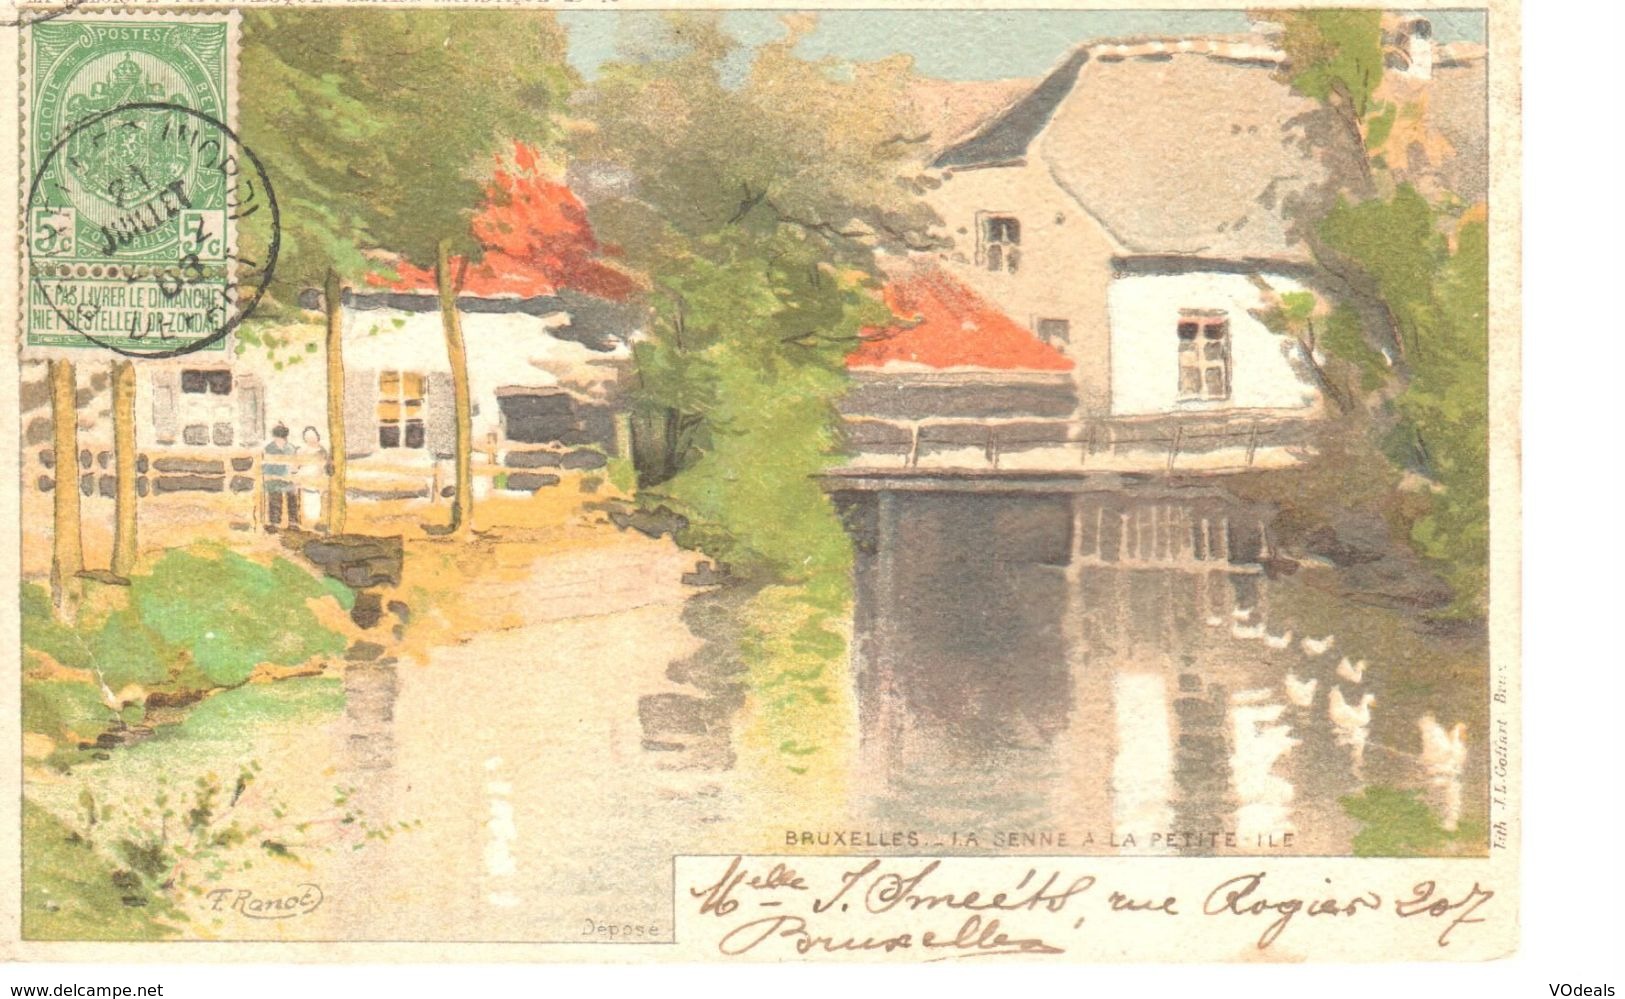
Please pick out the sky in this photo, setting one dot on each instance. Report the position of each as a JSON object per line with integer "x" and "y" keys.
{"x": 957, "y": 44}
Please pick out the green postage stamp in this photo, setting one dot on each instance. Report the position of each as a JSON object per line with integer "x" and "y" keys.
{"x": 137, "y": 185}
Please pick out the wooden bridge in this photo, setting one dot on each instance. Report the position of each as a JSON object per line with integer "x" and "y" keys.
{"x": 974, "y": 447}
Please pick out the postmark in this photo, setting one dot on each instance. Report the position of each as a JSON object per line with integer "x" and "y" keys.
{"x": 34, "y": 15}
{"x": 151, "y": 230}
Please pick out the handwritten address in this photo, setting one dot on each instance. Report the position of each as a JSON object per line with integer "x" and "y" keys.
{"x": 952, "y": 907}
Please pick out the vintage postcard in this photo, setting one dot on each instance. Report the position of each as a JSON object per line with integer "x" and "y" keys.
{"x": 577, "y": 482}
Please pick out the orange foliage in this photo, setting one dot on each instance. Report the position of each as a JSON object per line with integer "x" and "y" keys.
{"x": 537, "y": 241}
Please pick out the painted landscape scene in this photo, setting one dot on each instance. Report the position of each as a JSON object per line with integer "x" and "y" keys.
{"x": 624, "y": 435}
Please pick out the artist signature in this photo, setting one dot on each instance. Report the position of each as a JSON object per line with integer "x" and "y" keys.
{"x": 303, "y": 900}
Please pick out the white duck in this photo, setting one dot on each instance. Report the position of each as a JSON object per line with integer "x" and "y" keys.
{"x": 1318, "y": 646}
{"x": 1349, "y": 716}
{"x": 1442, "y": 751}
{"x": 1353, "y": 672}
{"x": 1279, "y": 641}
{"x": 1245, "y": 632}
{"x": 1300, "y": 692}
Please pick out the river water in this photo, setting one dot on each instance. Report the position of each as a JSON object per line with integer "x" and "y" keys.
{"x": 1037, "y": 674}
{"x": 1117, "y": 674}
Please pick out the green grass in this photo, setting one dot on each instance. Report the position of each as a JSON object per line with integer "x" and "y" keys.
{"x": 71, "y": 893}
{"x": 1396, "y": 823}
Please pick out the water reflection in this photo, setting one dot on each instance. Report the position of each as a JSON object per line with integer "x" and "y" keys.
{"x": 1108, "y": 665}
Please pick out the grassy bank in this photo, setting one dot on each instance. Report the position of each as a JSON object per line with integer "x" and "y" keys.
{"x": 140, "y": 712}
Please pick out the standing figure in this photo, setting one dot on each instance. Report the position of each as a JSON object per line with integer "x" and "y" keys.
{"x": 279, "y": 486}
{"x": 312, "y": 476}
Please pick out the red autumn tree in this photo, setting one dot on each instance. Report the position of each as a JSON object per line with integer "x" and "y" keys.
{"x": 537, "y": 241}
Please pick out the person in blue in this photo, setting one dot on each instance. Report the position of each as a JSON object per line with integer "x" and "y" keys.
{"x": 280, "y": 490}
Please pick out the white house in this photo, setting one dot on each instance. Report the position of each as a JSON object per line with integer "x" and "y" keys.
{"x": 541, "y": 369}
{"x": 1142, "y": 205}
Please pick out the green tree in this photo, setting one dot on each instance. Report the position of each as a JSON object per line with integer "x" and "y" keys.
{"x": 457, "y": 89}
{"x": 385, "y": 119}
{"x": 321, "y": 131}
{"x": 1335, "y": 57}
{"x": 1417, "y": 269}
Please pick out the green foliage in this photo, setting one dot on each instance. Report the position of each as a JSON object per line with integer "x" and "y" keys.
{"x": 1334, "y": 53}
{"x": 60, "y": 708}
{"x": 755, "y": 213}
{"x": 1439, "y": 300}
{"x": 1447, "y": 401}
{"x": 351, "y": 107}
{"x": 356, "y": 116}
{"x": 42, "y": 632}
{"x": 199, "y": 618}
{"x": 1297, "y": 306}
{"x": 622, "y": 474}
{"x": 1380, "y": 124}
{"x": 1396, "y": 824}
{"x": 233, "y": 715}
{"x": 320, "y": 135}
{"x": 755, "y": 360}
{"x": 1396, "y": 241}
{"x": 1391, "y": 246}
{"x": 231, "y": 613}
{"x": 1343, "y": 337}
{"x": 794, "y": 653}
{"x": 71, "y": 892}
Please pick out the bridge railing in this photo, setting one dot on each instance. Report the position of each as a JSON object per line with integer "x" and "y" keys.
{"x": 1231, "y": 440}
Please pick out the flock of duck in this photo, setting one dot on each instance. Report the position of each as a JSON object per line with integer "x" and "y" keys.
{"x": 1443, "y": 751}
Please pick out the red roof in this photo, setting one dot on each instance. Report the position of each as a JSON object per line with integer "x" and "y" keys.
{"x": 944, "y": 324}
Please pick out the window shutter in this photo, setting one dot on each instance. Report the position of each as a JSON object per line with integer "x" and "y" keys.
{"x": 440, "y": 421}
{"x": 360, "y": 412}
{"x": 164, "y": 419}
{"x": 250, "y": 412}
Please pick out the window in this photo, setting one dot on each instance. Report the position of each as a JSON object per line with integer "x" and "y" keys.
{"x": 1001, "y": 243}
{"x": 195, "y": 381}
{"x": 1204, "y": 355}
{"x": 204, "y": 408}
{"x": 1055, "y": 332}
{"x": 400, "y": 409}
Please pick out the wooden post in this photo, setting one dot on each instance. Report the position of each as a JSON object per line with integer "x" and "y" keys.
{"x": 337, "y": 459}
{"x": 67, "y": 549}
{"x": 257, "y": 498}
{"x": 462, "y": 506}
{"x": 623, "y": 436}
{"x": 124, "y": 505}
